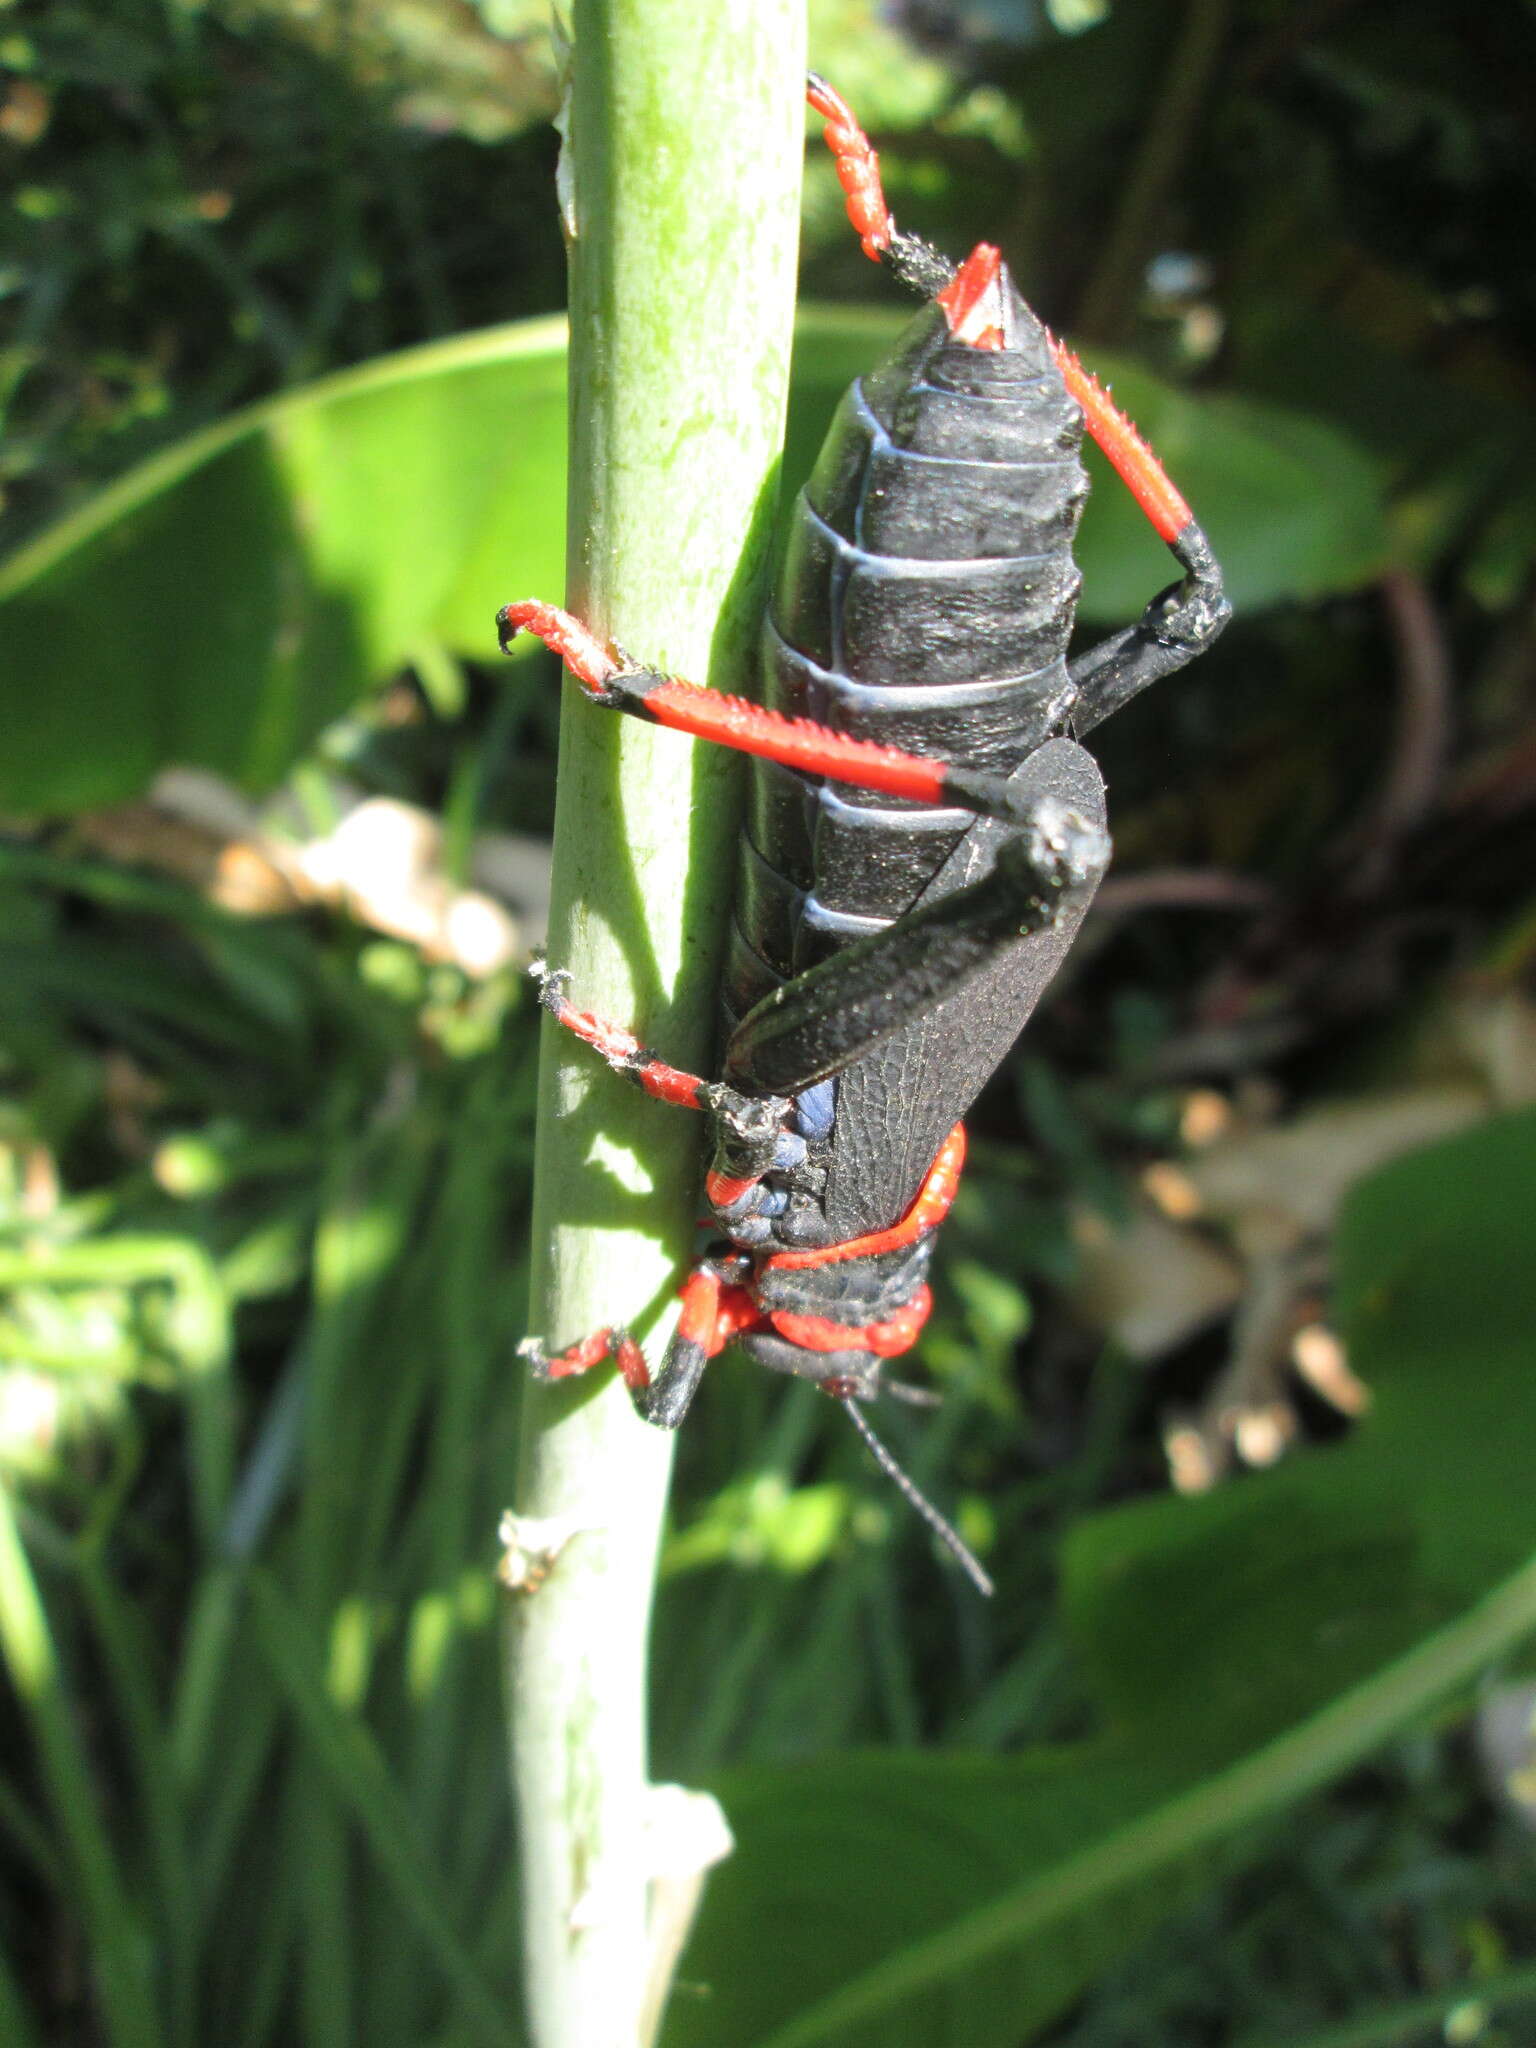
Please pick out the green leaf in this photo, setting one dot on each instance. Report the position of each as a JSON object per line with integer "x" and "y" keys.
{"x": 1244, "y": 1647}
{"x": 224, "y": 601}
{"x": 1218, "y": 1620}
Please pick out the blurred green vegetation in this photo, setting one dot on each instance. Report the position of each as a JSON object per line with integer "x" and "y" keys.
{"x": 263, "y": 1177}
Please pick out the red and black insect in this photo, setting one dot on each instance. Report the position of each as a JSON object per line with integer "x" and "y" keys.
{"x": 922, "y": 837}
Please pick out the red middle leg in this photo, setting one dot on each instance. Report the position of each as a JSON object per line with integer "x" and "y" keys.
{"x": 620, "y": 1048}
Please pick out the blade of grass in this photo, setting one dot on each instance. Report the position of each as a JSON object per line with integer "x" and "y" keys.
{"x": 1397, "y": 2023}
{"x": 358, "y": 1364}
{"x": 684, "y": 149}
{"x": 355, "y": 1781}
{"x": 113, "y": 1936}
{"x": 29, "y": 1837}
{"x": 229, "y": 1804}
{"x": 361, "y": 1362}
{"x": 316, "y": 1852}
{"x": 129, "y": 1660}
{"x": 16, "y": 2028}
{"x": 271, "y": 1941}
{"x": 465, "y": 1330}
{"x": 200, "y": 1328}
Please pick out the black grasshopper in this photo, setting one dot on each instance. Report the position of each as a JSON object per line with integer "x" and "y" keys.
{"x": 922, "y": 840}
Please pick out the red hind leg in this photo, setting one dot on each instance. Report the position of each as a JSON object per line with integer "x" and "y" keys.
{"x": 1181, "y": 621}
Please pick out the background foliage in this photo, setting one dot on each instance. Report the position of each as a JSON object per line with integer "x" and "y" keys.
{"x": 263, "y": 1176}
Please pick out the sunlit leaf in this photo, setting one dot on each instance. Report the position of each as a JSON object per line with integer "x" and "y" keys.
{"x": 1244, "y": 1647}
{"x": 223, "y": 602}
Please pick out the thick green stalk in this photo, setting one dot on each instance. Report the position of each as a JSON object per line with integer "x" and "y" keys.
{"x": 681, "y": 186}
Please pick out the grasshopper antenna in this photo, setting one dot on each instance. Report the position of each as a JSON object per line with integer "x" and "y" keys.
{"x": 949, "y": 1536}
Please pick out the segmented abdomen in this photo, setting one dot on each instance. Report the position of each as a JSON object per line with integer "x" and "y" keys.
{"x": 925, "y": 601}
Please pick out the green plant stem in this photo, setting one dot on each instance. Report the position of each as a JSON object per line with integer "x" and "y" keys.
{"x": 682, "y": 157}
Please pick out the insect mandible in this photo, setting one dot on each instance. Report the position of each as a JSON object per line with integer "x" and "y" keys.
{"x": 922, "y": 838}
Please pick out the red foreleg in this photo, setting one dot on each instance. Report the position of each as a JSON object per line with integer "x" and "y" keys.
{"x": 591, "y": 1351}
{"x": 715, "y": 1311}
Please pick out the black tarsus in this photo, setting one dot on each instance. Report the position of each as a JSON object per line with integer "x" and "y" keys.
{"x": 1178, "y": 624}
{"x": 917, "y": 264}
